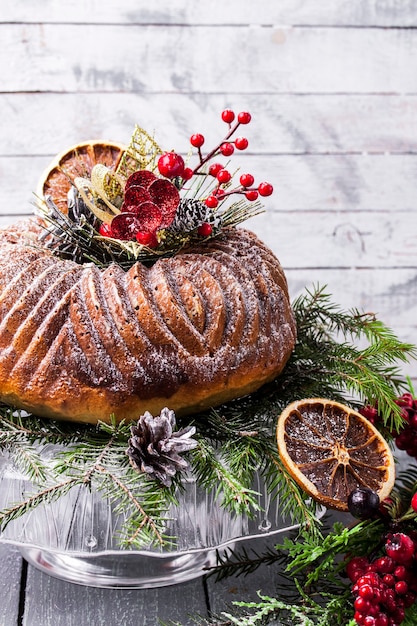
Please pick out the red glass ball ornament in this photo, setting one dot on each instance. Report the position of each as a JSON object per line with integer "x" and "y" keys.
{"x": 227, "y": 149}
{"x": 171, "y": 165}
{"x": 246, "y": 180}
{"x": 205, "y": 229}
{"x": 197, "y": 140}
{"x": 223, "y": 176}
{"x": 241, "y": 143}
{"x": 265, "y": 189}
{"x": 228, "y": 116}
{"x": 212, "y": 202}
{"x": 244, "y": 117}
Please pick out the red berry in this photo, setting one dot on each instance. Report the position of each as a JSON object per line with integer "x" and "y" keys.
{"x": 361, "y": 605}
{"x": 244, "y": 117}
{"x": 223, "y": 176}
{"x": 401, "y": 587}
{"x": 227, "y": 149}
{"x": 409, "y": 598}
{"x": 246, "y": 180}
{"x": 212, "y": 202}
{"x": 241, "y": 143}
{"x": 105, "y": 230}
{"x": 366, "y": 591}
{"x": 187, "y": 173}
{"x": 399, "y": 547}
{"x": 228, "y": 116}
{"x": 171, "y": 165}
{"x": 414, "y": 502}
{"x": 215, "y": 168}
{"x": 265, "y": 189}
{"x": 388, "y": 580}
{"x": 370, "y": 413}
{"x": 384, "y": 565}
{"x": 197, "y": 140}
{"x": 356, "y": 567}
{"x": 147, "y": 239}
{"x": 251, "y": 195}
{"x": 205, "y": 229}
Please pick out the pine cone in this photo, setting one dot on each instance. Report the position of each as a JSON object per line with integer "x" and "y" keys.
{"x": 155, "y": 448}
{"x": 191, "y": 214}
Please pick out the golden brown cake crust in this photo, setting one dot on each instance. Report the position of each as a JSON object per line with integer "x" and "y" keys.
{"x": 79, "y": 343}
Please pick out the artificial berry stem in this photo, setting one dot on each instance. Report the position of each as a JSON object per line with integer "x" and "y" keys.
{"x": 216, "y": 150}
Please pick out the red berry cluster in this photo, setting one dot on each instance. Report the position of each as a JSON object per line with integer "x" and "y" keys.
{"x": 171, "y": 165}
{"x": 387, "y": 585}
{"x": 406, "y": 437}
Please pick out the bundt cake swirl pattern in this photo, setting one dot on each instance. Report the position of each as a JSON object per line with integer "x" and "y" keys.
{"x": 81, "y": 343}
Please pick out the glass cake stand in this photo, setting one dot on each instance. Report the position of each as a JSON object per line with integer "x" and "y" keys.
{"x": 75, "y": 538}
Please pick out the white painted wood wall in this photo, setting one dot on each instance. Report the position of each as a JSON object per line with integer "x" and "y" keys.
{"x": 331, "y": 85}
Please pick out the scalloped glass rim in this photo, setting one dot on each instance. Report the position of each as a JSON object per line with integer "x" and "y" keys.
{"x": 75, "y": 538}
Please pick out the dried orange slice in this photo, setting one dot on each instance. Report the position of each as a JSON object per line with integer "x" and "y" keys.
{"x": 330, "y": 450}
{"x": 76, "y": 161}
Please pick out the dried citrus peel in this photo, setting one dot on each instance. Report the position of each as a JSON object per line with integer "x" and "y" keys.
{"x": 330, "y": 450}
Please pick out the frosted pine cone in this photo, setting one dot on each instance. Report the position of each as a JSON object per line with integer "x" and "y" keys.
{"x": 155, "y": 448}
{"x": 191, "y": 214}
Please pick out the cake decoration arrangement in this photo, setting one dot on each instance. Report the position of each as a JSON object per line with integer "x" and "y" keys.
{"x": 147, "y": 337}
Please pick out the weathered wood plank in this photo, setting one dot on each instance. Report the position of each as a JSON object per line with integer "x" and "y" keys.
{"x": 339, "y": 240}
{"x": 52, "y": 602}
{"x": 329, "y": 12}
{"x": 11, "y": 570}
{"x": 344, "y": 183}
{"x": 43, "y": 57}
{"x": 281, "y": 124}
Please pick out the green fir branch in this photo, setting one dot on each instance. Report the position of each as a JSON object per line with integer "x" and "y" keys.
{"x": 213, "y": 474}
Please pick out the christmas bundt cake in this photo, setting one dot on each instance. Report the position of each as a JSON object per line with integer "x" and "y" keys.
{"x": 136, "y": 295}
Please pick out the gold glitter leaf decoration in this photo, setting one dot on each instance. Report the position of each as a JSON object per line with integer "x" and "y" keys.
{"x": 93, "y": 199}
{"x": 141, "y": 154}
{"x": 105, "y": 182}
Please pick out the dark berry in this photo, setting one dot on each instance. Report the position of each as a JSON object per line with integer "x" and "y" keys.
{"x": 363, "y": 503}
